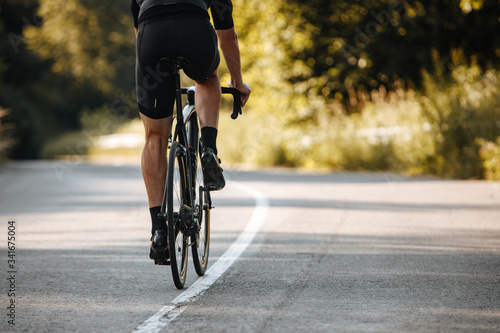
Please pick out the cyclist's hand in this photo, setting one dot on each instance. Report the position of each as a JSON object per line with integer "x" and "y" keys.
{"x": 244, "y": 90}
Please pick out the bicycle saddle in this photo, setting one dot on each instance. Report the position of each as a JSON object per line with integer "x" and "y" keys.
{"x": 168, "y": 64}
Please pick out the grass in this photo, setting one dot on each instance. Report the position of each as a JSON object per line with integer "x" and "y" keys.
{"x": 86, "y": 142}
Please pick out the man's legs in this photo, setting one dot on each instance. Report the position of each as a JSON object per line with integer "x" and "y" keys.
{"x": 154, "y": 164}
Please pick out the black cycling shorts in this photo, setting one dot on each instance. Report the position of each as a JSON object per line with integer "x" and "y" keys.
{"x": 188, "y": 36}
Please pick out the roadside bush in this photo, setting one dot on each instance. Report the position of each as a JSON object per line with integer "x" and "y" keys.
{"x": 433, "y": 131}
{"x": 490, "y": 156}
{"x": 461, "y": 109}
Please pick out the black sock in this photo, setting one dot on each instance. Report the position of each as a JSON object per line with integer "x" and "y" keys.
{"x": 209, "y": 138}
{"x": 158, "y": 223}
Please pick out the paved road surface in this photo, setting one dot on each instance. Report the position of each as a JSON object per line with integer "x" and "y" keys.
{"x": 336, "y": 253}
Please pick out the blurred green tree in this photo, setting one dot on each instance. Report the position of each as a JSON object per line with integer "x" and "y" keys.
{"x": 372, "y": 42}
{"x": 19, "y": 72}
{"x": 90, "y": 40}
{"x": 59, "y": 58}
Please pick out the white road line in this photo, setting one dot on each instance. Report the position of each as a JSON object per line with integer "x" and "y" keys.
{"x": 169, "y": 312}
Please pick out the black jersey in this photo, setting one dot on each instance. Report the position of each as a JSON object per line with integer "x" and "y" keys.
{"x": 221, "y": 10}
{"x": 147, "y": 4}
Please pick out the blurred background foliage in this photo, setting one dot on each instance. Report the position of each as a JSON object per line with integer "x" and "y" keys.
{"x": 408, "y": 86}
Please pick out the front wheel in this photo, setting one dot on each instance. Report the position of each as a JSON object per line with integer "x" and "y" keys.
{"x": 175, "y": 190}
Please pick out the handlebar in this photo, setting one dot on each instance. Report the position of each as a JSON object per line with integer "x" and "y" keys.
{"x": 236, "y": 100}
{"x": 225, "y": 90}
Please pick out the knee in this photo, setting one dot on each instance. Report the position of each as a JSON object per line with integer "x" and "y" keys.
{"x": 156, "y": 138}
{"x": 212, "y": 78}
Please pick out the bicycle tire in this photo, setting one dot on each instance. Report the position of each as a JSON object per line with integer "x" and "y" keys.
{"x": 201, "y": 241}
{"x": 178, "y": 242}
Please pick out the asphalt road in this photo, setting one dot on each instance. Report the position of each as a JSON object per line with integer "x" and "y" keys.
{"x": 345, "y": 252}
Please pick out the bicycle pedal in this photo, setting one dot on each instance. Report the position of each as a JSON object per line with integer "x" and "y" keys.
{"x": 162, "y": 262}
{"x": 206, "y": 189}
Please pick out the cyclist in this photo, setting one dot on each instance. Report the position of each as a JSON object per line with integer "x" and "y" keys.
{"x": 174, "y": 28}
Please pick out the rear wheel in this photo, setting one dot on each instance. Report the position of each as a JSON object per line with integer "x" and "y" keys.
{"x": 175, "y": 189}
{"x": 201, "y": 240}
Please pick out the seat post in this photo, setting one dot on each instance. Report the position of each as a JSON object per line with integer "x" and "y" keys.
{"x": 173, "y": 67}
{"x": 178, "y": 94}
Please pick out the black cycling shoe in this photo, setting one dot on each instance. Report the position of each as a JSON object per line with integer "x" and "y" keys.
{"x": 212, "y": 172}
{"x": 159, "y": 248}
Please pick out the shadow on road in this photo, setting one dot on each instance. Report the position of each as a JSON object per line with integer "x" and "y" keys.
{"x": 359, "y": 205}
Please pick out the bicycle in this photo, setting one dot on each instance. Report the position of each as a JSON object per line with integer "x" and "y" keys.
{"x": 186, "y": 201}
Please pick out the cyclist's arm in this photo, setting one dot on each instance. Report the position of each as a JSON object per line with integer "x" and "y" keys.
{"x": 222, "y": 15}
{"x": 228, "y": 42}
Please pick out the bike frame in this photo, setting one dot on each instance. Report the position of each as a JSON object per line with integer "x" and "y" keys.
{"x": 189, "y": 144}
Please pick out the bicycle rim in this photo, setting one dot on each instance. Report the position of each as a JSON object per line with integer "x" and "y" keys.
{"x": 176, "y": 184}
{"x": 201, "y": 241}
